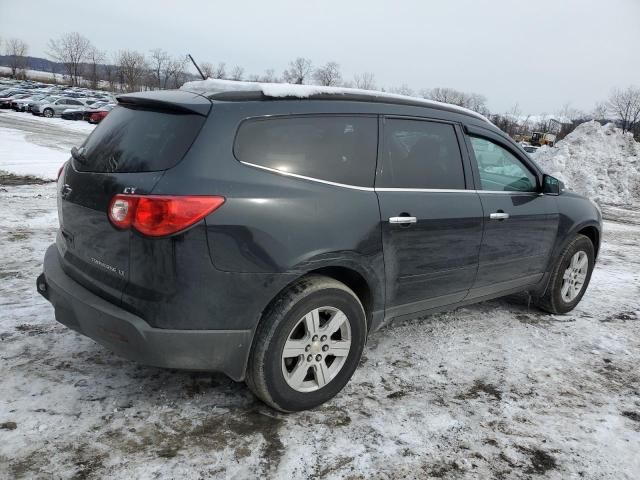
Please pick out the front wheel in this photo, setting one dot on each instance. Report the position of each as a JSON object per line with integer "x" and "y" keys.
{"x": 48, "y": 113}
{"x": 570, "y": 276}
{"x": 307, "y": 345}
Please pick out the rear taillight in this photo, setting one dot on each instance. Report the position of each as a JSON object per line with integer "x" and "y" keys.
{"x": 160, "y": 215}
{"x": 60, "y": 170}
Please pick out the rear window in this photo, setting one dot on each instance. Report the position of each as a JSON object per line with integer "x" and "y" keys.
{"x": 339, "y": 149}
{"x": 136, "y": 140}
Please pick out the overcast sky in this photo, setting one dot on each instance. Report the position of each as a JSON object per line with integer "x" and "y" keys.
{"x": 539, "y": 54}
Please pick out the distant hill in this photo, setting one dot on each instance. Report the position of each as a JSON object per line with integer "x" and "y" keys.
{"x": 36, "y": 63}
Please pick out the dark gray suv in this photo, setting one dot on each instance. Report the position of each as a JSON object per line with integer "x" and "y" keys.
{"x": 265, "y": 235}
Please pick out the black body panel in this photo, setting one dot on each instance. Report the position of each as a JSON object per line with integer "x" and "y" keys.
{"x": 220, "y": 274}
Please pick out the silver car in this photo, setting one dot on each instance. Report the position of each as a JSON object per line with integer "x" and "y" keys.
{"x": 55, "y": 108}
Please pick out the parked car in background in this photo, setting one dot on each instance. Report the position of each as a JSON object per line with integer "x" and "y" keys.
{"x": 5, "y": 102}
{"x": 20, "y": 105}
{"x": 83, "y": 113}
{"x": 56, "y": 107}
{"x": 98, "y": 115}
{"x": 265, "y": 237}
{"x": 46, "y": 99}
{"x": 530, "y": 148}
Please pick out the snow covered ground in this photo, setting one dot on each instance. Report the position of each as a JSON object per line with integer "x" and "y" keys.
{"x": 38, "y": 146}
{"x": 495, "y": 390}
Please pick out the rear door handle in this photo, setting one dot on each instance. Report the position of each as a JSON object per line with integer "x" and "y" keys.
{"x": 401, "y": 220}
{"x": 499, "y": 216}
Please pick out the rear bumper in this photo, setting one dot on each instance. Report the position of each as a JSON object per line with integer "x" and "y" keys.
{"x": 128, "y": 335}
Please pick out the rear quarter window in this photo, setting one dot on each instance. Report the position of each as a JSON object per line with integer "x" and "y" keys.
{"x": 139, "y": 140}
{"x": 339, "y": 149}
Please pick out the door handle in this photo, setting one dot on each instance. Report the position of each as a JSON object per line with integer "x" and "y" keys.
{"x": 402, "y": 220}
{"x": 499, "y": 216}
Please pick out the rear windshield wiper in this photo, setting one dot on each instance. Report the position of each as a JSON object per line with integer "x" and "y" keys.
{"x": 78, "y": 154}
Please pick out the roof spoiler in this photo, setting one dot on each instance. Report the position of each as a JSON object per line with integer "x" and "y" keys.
{"x": 178, "y": 101}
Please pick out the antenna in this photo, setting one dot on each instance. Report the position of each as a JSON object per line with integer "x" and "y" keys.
{"x": 196, "y": 65}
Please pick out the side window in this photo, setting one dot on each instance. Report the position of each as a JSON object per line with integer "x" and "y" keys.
{"x": 499, "y": 169}
{"x": 420, "y": 154}
{"x": 73, "y": 102}
{"x": 333, "y": 148}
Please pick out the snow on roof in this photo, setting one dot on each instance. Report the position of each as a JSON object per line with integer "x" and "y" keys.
{"x": 212, "y": 86}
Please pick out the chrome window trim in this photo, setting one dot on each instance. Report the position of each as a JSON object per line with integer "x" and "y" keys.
{"x": 383, "y": 189}
{"x": 426, "y": 190}
{"x": 312, "y": 179}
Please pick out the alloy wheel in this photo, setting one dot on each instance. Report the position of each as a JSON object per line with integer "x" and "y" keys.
{"x": 316, "y": 349}
{"x": 574, "y": 276}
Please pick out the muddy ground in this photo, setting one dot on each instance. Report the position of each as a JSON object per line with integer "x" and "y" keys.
{"x": 496, "y": 390}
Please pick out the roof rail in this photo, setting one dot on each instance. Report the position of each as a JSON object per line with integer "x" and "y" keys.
{"x": 231, "y": 90}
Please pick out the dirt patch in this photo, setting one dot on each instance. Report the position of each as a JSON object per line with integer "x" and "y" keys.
{"x": 541, "y": 461}
{"x": 635, "y": 416}
{"x": 8, "y": 426}
{"x": 334, "y": 467}
{"x": 442, "y": 470}
{"x": 479, "y": 387}
{"x": 623, "y": 316}
{"x": 11, "y": 179}
{"x": 18, "y": 236}
{"x": 87, "y": 464}
{"x": 397, "y": 394}
{"x": 32, "y": 329}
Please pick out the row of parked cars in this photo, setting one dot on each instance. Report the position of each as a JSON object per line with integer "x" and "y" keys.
{"x": 69, "y": 103}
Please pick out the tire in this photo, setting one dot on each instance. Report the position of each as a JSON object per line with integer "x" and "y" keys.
{"x": 287, "y": 317}
{"x": 48, "y": 113}
{"x": 553, "y": 301}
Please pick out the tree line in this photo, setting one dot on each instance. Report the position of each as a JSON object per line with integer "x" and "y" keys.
{"x": 130, "y": 70}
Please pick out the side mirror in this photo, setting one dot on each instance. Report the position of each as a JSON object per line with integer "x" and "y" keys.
{"x": 551, "y": 185}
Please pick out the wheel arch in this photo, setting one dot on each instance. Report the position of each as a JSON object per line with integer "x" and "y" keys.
{"x": 593, "y": 234}
{"x": 362, "y": 282}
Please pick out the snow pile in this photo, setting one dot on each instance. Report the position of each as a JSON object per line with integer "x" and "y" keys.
{"x": 280, "y": 90}
{"x": 597, "y": 161}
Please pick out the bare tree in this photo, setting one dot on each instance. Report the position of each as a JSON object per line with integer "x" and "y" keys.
{"x": 236, "y": 73}
{"x": 298, "y": 71}
{"x": 157, "y": 63}
{"x": 366, "y": 81}
{"x": 94, "y": 58}
{"x": 269, "y": 76}
{"x": 477, "y": 103}
{"x": 329, "y": 75}
{"x": 132, "y": 66}
{"x": 404, "y": 89}
{"x": 179, "y": 71}
{"x": 220, "y": 71}
{"x": 625, "y": 105}
{"x": 207, "y": 69}
{"x": 71, "y": 49}
{"x": 173, "y": 69}
{"x": 109, "y": 70}
{"x": 600, "y": 111}
{"x": 16, "y": 50}
{"x": 473, "y": 101}
{"x": 253, "y": 78}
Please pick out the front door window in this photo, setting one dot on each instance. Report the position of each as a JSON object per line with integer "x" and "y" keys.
{"x": 499, "y": 169}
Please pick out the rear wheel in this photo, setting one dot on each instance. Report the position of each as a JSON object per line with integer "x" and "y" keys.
{"x": 570, "y": 276}
{"x": 48, "y": 113}
{"x": 307, "y": 345}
